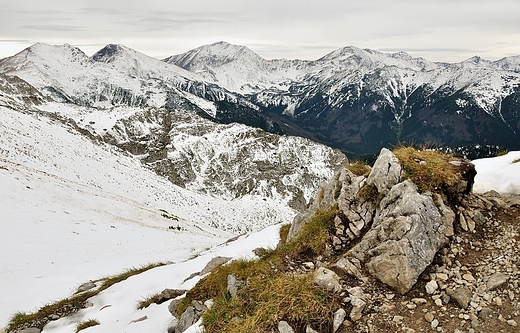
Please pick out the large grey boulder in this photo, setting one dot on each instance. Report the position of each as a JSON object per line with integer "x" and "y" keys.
{"x": 404, "y": 238}
{"x": 386, "y": 172}
{"x": 188, "y": 318}
{"x": 342, "y": 190}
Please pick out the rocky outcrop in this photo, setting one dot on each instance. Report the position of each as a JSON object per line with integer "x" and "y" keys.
{"x": 404, "y": 238}
{"x": 386, "y": 224}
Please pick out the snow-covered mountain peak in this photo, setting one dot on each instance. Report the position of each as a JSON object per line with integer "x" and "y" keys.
{"x": 476, "y": 61}
{"x": 42, "y": 55}
{"x": 343, "y": 53}
{"x": 214, "y": 55}
{"x": 108, "y": 53}
{"x": 64, "y": 50}
{"x": 508, "y": 64}
{"x": 352, "y": 56}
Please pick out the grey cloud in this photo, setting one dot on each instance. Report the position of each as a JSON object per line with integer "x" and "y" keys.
{"x": 102, "y": 11}
{"x": 52, "y": 27}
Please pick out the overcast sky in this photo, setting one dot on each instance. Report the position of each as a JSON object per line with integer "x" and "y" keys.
{"x": 438, "y": 30}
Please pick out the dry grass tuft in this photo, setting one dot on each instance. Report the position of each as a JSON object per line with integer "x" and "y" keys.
{"x": 359, "y": 168}
{"x": 271, "y": 293}
{"x": 429, "y": 169}
{"x": 86, "y": 324}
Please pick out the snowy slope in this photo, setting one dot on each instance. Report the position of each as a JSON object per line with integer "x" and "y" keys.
{"x": 228, "y": 161}
{"x": 501, "y": 174}
{"x": 73, "y": 210}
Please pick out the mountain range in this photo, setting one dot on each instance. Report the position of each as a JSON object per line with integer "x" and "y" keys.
{"x": 351, "y": 99}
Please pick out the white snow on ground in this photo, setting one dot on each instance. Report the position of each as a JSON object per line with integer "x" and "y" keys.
{"x": 74, "y": 211}
{"x": 501, "y": 174}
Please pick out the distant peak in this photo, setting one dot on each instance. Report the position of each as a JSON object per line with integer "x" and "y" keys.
{"x": 225, "y": 47}
{"x": 345, "y": 52}
{"x": 43, "y": 50}
{"x": 477, "y": 60}
{"x": 108, "y": 53}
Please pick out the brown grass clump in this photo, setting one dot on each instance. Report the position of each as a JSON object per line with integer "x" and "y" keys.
{"x": 429, "y": 169}
{"x": 262, "y": 303}
{"x": 271, "y": 293}
{"x": 86, "y": 324}
{"x": 517, "y": 160}
{"x": 359, "y": 168}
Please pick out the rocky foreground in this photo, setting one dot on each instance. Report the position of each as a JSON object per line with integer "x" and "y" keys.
{"x": 400, "y": 257}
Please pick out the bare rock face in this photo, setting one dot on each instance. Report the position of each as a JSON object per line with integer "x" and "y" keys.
{"x": 404, "y": 238}
{"x": 284, "y": 327}
{"x": 386, "y": 171}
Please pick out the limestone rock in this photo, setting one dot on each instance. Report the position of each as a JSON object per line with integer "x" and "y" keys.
{"x": 168, "y": 294}
{"x": 172, "y": 307}
{"x": 327, "y": 279}
{"x": 496, "y": 280}
{"x": 86, "y": 286}
{"x": 357, "y": 291}
{"x": 462, "y": 222}
{"x": 30, "y": 330}
{"x": 349, "y": 268}
{"x": 386, "y": 171}
{"x": 233, "y": 285}
{"x": 404, "y": 238}
{"x": 462, "y": 296}
{"x": 339, "y": 317}
{"x": 284, "y": 327}
{"x": 448, "y": 217}
{"x": 172, "y": 324}
{"x": 188, "y": 318}
{"x": 309, "y": 329}
{"x": 431, "y": 287}
{"x": 143, "y": 318}
{"x": 357, "y": 308}
{"x": 215, "y": 262}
